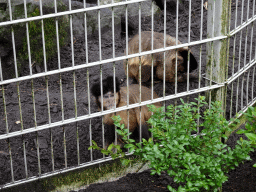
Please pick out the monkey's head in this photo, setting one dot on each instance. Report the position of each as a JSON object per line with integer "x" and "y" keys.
{"x": 110, "y": 98}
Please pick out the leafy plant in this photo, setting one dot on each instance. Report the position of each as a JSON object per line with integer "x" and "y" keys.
{"x": 195, "y": 161}
{"x": 250, "y": 126}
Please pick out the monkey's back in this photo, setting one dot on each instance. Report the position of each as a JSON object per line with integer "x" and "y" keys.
{"x": 158, "y": 58}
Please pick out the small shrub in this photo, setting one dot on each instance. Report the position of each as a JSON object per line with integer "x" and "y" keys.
{"x": 250, "y": 126}
{"x": 196, "y": 162}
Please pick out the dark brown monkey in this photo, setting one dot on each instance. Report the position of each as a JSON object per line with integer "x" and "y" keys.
{"x": 120, "y": 96}
{"x": 158, "y": 58}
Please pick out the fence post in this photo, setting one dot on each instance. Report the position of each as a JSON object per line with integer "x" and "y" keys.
{"x": 217, "y": 51}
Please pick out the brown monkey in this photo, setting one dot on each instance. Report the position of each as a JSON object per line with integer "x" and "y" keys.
{"x": 120, "y": 96}
{"x": 158, "y": 58}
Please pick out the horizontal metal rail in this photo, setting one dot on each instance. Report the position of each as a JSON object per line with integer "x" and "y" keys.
{"x": 85, "y": 65}
{"x": 97, "y": 114}
{"x": 253, "y": 102}
{"x": 243, "y": 25}
{"x": 240, "y": 72}
{"x": 83, "y": 10}
{"x": 60, "y": 171}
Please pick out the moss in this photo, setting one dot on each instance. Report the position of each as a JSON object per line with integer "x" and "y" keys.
{"x": 35, "y": 38}
{"x": 77, "y": 178}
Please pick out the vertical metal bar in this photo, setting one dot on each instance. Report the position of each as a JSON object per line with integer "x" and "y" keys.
{"x": 77, "y": 144}
{"x": 227, "y": 61}
{"x": 6, "y": 123}
{"x": 239, "y": 59}
{"x": 100, "y": 58}
{"x": 241, "y": 34}
{"x": 114, "y": 66}
{"x": 13, "y": 41}
{"x": 228, "y": 16}
{"x": 30, "y": 70}
{"x": 140, "y": 65}
{"x": 253, "y": 75}
{"x": 217, "y": 50}
{"x": 10, "y": 154}
{"x": 237, "y": 91}
{"x": 152, "y": 56}
{"x": 164, "y": 62}
{"x": 152, "y": 47}
{"x": 47, "y": 88}
{"x": 43, "y": 39}
{"x": 46, "y": 80}
{"x": 176, "y": 43}
{"x": 233, "y": 67}
{"x": 140, "y": 51}
{"x": 127, "y": 66}
{"x": 201, "y": 38}
{"x": 65, "y": 147}
{"x": 242, "y": 93}
{"x": 52, "y": 154}
{"x": 189, "y": 28}
{"x": 237, "y": 87}
{"x": 252, "y": 31}
{"x": 88, "y": 78}
{"x": 74, "y": 84}
{"x": 59, "y": 65}
{"x": 38, "y": 154}
{"x": 200, "y": 62}
{"x": 247, "y": 93}
{"x": 246, "y": 34}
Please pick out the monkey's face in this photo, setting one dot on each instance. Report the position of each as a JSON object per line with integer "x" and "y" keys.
{"x": 110, "y": 100}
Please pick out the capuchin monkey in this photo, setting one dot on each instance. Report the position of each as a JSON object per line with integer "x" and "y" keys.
{"x": 158, "y": 59}
{"x": 112, "y": 99}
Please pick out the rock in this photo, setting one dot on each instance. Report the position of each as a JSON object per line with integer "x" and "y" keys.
{"x": 55, "y": 109}
{"x": 20, "y": 37}
{"x": 33, "y": 7}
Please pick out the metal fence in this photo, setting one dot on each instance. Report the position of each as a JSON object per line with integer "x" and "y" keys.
{"x": 49, "y": 118}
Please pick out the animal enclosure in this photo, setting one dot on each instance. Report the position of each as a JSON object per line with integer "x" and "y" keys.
{"x": 48, "y": 114}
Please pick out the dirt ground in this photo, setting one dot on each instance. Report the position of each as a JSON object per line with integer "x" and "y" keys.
{"x": 65, "y": 148}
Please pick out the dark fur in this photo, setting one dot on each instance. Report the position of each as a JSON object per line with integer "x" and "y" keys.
{"x": 133, "y": 113}
{"x": 108, "y": 85}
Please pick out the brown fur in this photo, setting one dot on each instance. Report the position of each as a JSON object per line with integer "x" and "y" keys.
{"x": 134, "y": 114}
{"x": 146, "y": 60}
{"x": 121, "y": 100}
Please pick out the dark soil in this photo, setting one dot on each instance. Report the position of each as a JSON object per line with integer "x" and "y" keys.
{"x": 64, "y": 138}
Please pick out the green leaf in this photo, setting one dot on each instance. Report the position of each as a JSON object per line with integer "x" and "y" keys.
{"x": 125, "y": 161}
{"x": 171, "y": 189}
{"x": 181, "y": 189}
{"x": 103, "y": 151}
{"x": 110, "y": 147}
{"x": 251, "y": 136}
{"x": 127, "y": 146}
{"x": 241, "y": 131}
{"x": 189, "y": 184}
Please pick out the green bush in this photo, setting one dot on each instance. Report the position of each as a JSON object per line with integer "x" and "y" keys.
{"x": 196, "y": 162}
{"x": 250, "y": 126}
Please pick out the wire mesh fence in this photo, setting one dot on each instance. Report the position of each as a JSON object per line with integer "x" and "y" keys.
{"x": 48, "y": 114}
